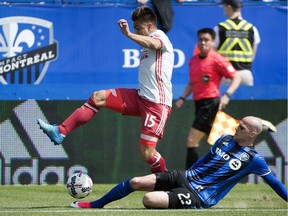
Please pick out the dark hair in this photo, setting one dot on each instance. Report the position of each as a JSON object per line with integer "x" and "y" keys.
{"x": 145, "y": 14}
{"x": 235, "y": 4}
{"x": 207, "y": 31}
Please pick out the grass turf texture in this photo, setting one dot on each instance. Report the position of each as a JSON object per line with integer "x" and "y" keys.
{"x": 244, "y": 199}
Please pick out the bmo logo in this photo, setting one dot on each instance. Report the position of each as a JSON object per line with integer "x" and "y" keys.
{"x": 132, "y": 58}
{"x": 31, "y": 159}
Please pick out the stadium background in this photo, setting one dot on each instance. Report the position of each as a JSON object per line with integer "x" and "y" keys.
{"x": 92, "y": 54}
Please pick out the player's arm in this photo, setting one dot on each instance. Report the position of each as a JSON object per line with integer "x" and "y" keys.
{"x": 256, "y": 41}
{"x": 216, "y": 41}
{"x": 235, "y": 83}
{"x": 142, "y": 40}
{"x": 255, "y": 46}
{"x": 187, "y": 91}
{"x": 276, "y": 185}
{"x": 146, "y": 41}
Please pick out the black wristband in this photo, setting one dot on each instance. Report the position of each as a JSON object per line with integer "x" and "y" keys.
{"x": 228, "y": 94}
{"x": 182, "y": 98}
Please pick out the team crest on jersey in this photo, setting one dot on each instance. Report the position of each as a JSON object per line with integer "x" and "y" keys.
{"x": 144, "y": 54}
{"x": 244, "y": 156}
{"x": 206, "y": 79}
{"x": 235, "y": 164}
{"x": 27, "y": 47}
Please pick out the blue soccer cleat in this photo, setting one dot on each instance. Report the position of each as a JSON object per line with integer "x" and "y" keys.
{"x": 51, "y": 131}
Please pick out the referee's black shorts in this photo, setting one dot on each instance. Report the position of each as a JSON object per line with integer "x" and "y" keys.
{"x": 175, "y": 183}
{"x": 205, "y": 112}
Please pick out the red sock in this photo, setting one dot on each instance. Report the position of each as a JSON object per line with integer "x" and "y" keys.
{"x": 79, "y": 117}
{"x": 157, "y": 163}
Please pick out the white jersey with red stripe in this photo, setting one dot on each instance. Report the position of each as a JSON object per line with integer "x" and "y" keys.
{"x": 155, "y": 71}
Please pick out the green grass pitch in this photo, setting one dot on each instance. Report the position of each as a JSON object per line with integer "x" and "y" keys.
{"x": 244, "y": 199}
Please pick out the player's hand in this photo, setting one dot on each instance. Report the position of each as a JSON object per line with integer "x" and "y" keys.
{"x": 179, "y": 103}
{"x": 224, "y": 100}
{"x": 124, "y": 27}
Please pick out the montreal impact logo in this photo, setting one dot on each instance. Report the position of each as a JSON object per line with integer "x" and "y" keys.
{"x": 27, "y": 47}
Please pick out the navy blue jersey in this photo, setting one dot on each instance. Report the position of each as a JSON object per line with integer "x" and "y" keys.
{"x": 213, "y": 176}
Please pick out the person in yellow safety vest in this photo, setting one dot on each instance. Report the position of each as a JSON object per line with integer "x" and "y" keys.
{"x": 237, "y": 40}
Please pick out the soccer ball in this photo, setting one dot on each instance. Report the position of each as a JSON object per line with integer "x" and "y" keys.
{"x": 79, "y": 185}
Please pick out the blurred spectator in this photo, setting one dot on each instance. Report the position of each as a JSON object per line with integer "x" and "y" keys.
{"x": 237, "y": 40}
{"x": 164, "y": 12}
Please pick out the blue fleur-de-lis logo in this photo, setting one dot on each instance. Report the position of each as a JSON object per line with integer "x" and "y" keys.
{"x": 27, "y": 47}
{"x": 12, "y": 45}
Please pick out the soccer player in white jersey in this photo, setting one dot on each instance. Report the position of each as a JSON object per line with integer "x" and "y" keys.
{"x": 152, "y": 101}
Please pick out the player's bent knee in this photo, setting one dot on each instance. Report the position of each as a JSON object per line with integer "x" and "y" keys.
{"x": 156, "y": 200}
{"x": 99, "y": 97}
{"x": 148, "y": 201}
{"x": 135, "y": 183}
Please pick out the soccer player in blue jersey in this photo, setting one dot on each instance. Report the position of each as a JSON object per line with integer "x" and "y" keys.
{"x": 205, "y": 183}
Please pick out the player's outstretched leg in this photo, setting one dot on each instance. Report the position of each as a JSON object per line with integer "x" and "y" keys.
{"x": 118, "y": 192}
{"x": 51, "y": 131}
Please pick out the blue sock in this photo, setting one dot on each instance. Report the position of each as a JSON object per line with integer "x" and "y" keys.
{"x": 119, "y": 191}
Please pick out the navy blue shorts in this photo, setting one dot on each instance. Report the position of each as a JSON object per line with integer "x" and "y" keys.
{"x": 175, "y": 183}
